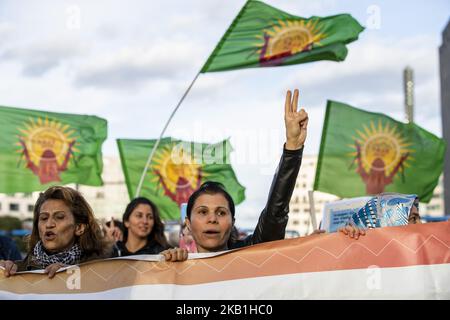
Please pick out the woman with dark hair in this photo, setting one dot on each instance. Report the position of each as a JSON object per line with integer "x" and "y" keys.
{"x": 143, "y": 230}
{"x": 64, "y": 233}
{"x": 210, "y": 210}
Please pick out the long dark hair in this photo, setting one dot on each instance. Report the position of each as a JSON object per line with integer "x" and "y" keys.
{"x": 157, "y": 233}
{"x": 91, "y": 241}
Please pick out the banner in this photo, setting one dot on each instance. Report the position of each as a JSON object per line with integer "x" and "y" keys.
{"x": 337, "y": 213}
{"x": 409, "y": 262}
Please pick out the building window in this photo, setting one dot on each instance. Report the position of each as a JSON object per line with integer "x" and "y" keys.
{"x": 14, "y": 207}
{"x": 295, "y": 210}
{"x": 30, "y": 207}
{"x": 295, "y": 223}
{"x": 100, "y": 195}
{"x": 27, "y": 195}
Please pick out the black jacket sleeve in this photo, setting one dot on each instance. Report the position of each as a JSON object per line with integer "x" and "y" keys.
{"x": 273, "y": 219}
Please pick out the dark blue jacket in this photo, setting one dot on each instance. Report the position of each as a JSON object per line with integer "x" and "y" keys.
{"x": 8, "y": 249}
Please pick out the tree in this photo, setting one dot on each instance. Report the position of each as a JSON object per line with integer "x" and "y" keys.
{"x": 9, "y": 223}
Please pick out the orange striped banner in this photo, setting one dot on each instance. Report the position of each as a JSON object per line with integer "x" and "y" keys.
{"x": 387, "y": 263}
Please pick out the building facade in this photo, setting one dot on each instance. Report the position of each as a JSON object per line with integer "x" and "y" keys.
{"x": 299, "y": 214}
{"x": 444, "y": 59}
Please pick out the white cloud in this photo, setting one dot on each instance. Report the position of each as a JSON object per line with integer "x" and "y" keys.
{"x": 372, "y": 76}
{"x": 130, "y": 67}
{"x": 376, "y": 57}
{"x": 303, "y": 8}
{"x": 6, "y": 30}
{"x": 40, "y": 57}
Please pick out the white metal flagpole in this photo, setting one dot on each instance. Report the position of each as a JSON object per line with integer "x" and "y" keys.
{"x": 150, "y": 157}
{"x": 312, "y": 210}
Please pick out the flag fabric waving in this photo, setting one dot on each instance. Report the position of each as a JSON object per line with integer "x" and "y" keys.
{"x": 39, "y": 149}
{"x": 263, "y": 36}
{"x": 366, "y": 153}
{"x": 177, "y": 170}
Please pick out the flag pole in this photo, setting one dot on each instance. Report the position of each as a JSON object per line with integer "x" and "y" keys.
{"x": 312, "y": 210}
{"x": 141, "y": 181}
{"x": 150, "y": 157}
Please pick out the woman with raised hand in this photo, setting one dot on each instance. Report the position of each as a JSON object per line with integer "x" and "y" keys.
{"x": 211, "y": 211}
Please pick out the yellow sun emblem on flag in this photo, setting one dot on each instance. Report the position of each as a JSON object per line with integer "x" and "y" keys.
{"x": 381, "y": 143}
{"x": 175, "y": 169}
{"x": 39, "y": 136}
{"x": 290, "y": 37}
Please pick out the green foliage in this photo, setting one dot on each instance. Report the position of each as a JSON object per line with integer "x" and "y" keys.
{"x": 9, "y": 223}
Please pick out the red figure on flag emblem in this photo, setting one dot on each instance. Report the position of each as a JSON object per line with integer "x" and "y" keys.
{"x": 47, "y": 147}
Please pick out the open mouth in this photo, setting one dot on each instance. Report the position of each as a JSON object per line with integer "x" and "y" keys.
{"x": 211, "y": 233}
{"x": 49, "y": 235}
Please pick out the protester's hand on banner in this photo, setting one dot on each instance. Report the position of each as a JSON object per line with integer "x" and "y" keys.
{"x": 352, "y": 231}
{"x": 175, "y": 254}
{"x": 296, "y": 122}
{"x": 52, "y": 269}
{"x": 10, "y": 267}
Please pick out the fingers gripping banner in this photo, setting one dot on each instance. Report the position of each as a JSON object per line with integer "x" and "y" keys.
{"x": 411, "y": 262}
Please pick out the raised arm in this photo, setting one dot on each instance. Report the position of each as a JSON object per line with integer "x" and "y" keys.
{"x": 274, "y": 217}
{"x": 360, "y": 169}
{"x": 30, "y": 163}
{"x": 63, "y": 167}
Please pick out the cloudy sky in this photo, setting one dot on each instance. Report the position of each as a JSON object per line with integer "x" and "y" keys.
{"x": 130, "y": 62}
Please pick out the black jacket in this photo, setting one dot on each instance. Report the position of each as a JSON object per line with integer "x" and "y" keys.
{"x": 152, "y": 247}
{"x": 274, "y": 217}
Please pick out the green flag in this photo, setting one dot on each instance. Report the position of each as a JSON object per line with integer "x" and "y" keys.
{"x": 177, "y": 169}
{"x": 263, "y": 36}
{"x": 39, "y": 149}
{"x": 363, "y": 153}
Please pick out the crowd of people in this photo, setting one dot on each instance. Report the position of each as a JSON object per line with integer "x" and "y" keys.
{"x": 65, "y": 231}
